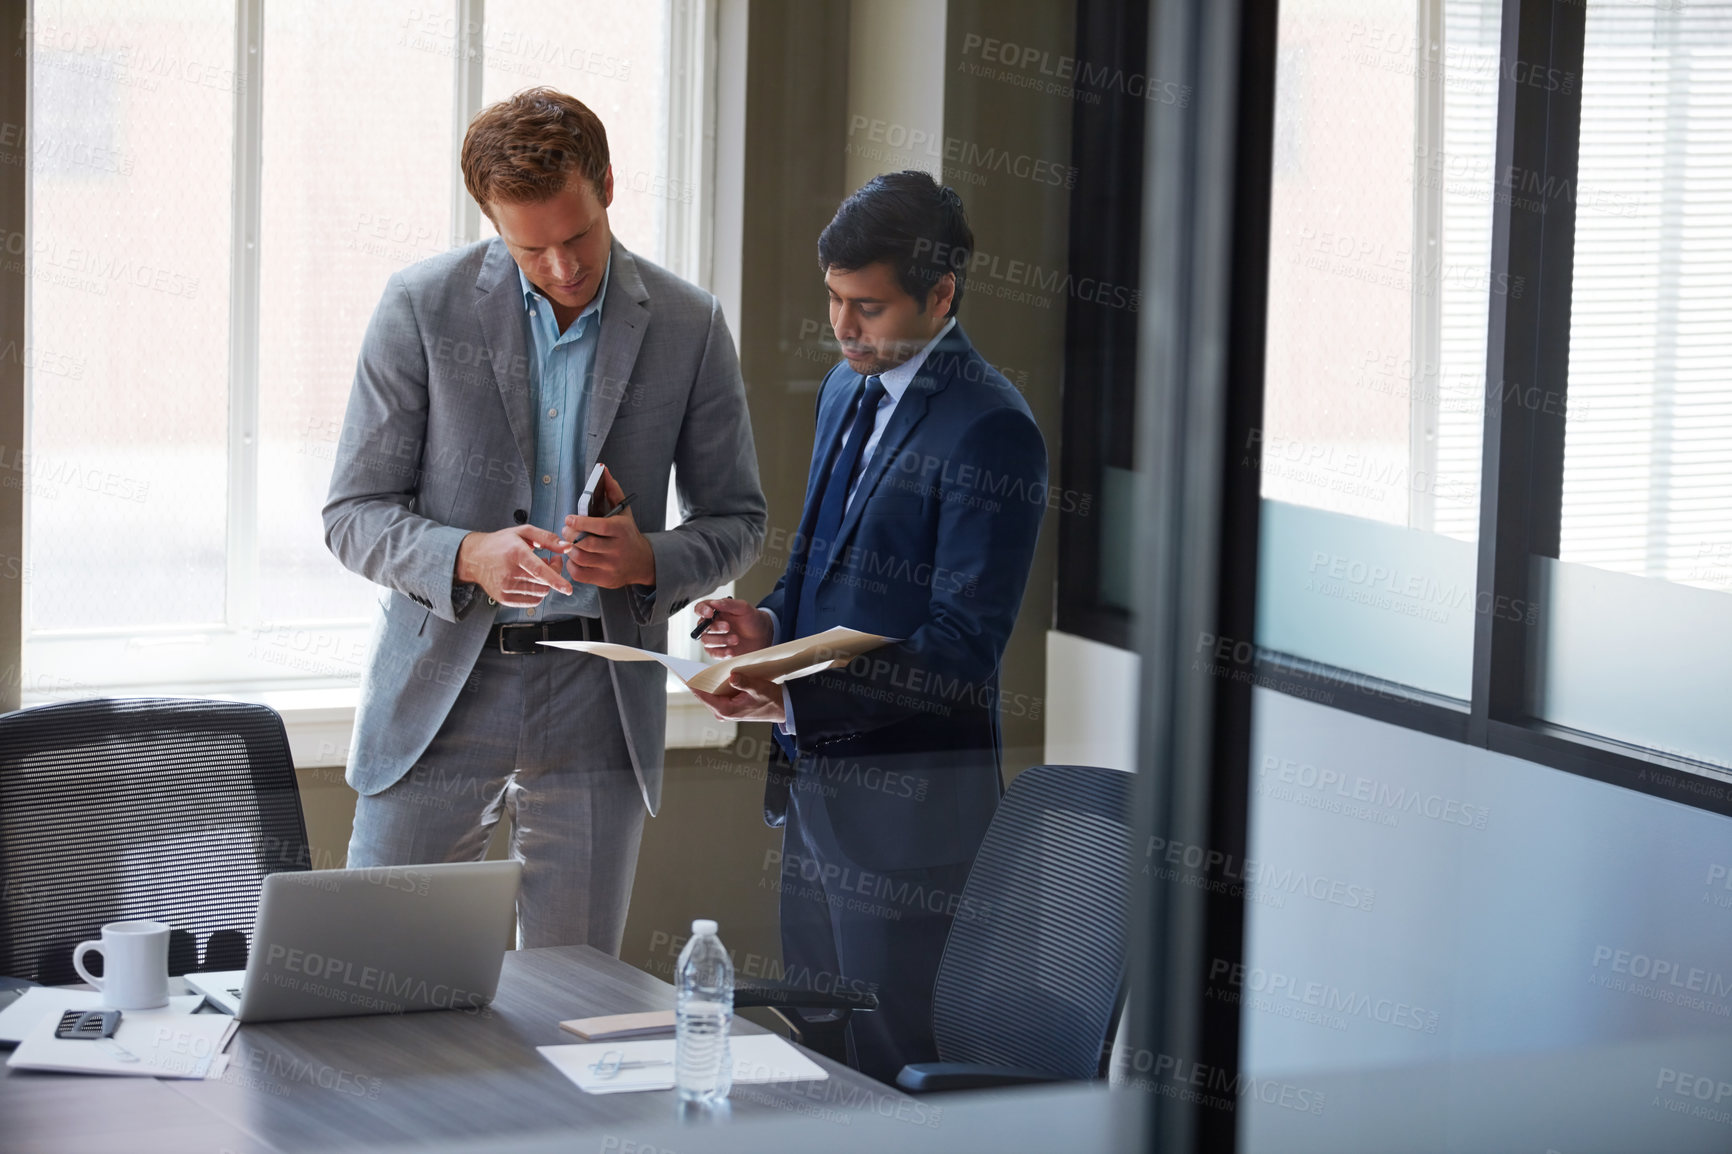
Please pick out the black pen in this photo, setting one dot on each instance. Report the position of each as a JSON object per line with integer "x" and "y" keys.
{"x": 703, "y": 624}
{"x": 613, "y": 512}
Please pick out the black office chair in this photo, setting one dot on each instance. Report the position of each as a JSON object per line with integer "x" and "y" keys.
{"x": 1030, "y": 991}
{"x": 172, "y": 809}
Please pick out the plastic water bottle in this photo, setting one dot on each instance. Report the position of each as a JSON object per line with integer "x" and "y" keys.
{"x": 703, "y": 1015}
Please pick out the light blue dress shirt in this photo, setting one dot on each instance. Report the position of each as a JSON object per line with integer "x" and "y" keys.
{"x": 559, "y": 394}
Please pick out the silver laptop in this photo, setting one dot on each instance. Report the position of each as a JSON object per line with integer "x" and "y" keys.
{"x": 389, "y": 940}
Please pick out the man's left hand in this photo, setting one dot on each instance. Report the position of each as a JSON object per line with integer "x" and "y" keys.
{"x": 615, "y": 553}
{"x": 755, "y": 698}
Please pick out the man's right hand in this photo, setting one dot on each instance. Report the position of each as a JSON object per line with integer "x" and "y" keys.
{"x": 736, "y": 627}
{"x": 506, "y": 567}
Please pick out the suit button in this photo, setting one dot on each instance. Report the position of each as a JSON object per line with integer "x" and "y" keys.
{"x": 520, "y": 515}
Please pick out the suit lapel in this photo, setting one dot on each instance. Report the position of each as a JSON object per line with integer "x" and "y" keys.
{"x": 831, "y": 414}
{"x": 624, "y": 319}
{"x": 499, "y": 311}
{"x": 832, "y": 411}
{"x": 934, "y": 375}
{"x": 909, "y": 411}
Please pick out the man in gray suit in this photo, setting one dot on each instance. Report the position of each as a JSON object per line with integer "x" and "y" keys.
{"x": 491, "y": 380}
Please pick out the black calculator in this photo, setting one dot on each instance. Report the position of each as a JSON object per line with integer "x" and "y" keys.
{"x": 88, "y": 1025}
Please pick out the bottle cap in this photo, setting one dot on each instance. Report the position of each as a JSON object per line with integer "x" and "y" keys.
{"x": 703, "y": 926}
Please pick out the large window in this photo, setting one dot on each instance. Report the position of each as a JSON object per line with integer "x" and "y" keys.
{"x": 1496, "y": 459}
{"x": 1644, "y": 563}
{"x": 126, "y": 475}
{"x": 219, "y": 190}
{"x": 1379, "y": 277}
{"x": 1648, "y": 441}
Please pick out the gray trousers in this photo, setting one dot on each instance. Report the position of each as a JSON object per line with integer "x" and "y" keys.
{"x": 537, "y": 737}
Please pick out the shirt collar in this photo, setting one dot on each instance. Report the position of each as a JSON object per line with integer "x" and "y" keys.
{"x": 897, "y": 380}
{"x": 531, "y": 294}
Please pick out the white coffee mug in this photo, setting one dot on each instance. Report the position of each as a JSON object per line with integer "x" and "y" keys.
{"x": 134, "y": 965}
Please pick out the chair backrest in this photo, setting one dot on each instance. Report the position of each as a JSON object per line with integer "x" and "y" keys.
{"x": 1035, "y": 961}
{"x": 173, "y": 809}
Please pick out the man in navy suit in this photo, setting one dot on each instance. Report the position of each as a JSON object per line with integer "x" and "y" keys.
{"x": 927, "y": 485}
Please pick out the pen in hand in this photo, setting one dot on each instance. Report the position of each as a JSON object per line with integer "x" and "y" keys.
{"x": 613, "y": 512}
{"x": 703, "y": 624}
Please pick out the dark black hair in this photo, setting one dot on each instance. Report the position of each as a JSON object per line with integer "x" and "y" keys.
{"x": 908, "y": 219}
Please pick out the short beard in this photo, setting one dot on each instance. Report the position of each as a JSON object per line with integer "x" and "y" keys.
{"x": 880, "y": 365}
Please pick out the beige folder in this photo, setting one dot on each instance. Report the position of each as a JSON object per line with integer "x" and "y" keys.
{"x": 648, "y": 1023}
{"x": 798, "y": 658}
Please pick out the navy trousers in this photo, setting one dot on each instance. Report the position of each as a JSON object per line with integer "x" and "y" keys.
{"x": 855, "y": 928}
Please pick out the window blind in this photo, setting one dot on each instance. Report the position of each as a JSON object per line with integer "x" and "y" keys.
{"x": 1648, "y": 434}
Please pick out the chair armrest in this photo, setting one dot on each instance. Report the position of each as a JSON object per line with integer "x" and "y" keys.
{"x": 929, "y": 1077}
{"x": 784, "y": 996}
{"x": 823, "y": 1026}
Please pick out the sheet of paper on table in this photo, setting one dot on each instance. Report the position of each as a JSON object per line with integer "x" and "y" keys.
{"x": 757, "y": 1058}
{"x": 41, "y": 1002}
{"x": 800, "y": 657}
{"x": 162, "y": 1043}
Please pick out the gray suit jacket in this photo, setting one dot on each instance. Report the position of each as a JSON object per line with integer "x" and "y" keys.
{"x": 438, "y": 442}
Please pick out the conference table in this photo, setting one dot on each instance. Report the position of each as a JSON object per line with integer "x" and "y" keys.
{"x": 414, "y": 1079}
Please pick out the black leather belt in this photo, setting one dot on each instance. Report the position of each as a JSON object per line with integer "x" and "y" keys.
{"x": 520, "y": 637}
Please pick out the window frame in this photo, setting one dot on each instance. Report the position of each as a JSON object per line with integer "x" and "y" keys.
{"x": 1522, "y": 458}
{"x": 222, "y": 658}
{"x": 1522, "y": 455}
{"x": 1106, "y": 227}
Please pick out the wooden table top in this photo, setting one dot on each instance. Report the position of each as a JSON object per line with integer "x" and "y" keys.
{"x": 396, "y": 1079}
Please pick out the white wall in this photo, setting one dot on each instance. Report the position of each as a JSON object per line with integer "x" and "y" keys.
{"x": 1091, "y": 703}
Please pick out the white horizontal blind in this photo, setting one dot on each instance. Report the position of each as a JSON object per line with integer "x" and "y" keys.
{"x": 1648, "y": 444}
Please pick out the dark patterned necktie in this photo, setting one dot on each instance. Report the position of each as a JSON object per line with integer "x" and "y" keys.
{"x": 831, "y": 510}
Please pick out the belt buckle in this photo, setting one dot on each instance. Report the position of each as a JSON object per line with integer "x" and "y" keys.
{"x": 515, "y": 628}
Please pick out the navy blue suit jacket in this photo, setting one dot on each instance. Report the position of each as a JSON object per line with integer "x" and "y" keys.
{"x": 902, "y": 746}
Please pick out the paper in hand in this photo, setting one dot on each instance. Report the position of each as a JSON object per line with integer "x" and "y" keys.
{"x": 791, "y": 659}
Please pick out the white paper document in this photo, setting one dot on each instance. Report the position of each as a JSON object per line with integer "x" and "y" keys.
{"x": 148, "y": 1044}
{"x": 798, "y": 658}
{"x": 40, "y": 1002}
{"x": 757, "y": 1058}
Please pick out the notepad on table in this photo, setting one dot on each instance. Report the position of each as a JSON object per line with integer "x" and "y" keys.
{"x": 148, "y": 1044}
{"x": 758, "y": 1058}
{"x": 611, "y": 1027}
{"x": 40, "y": 1002}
